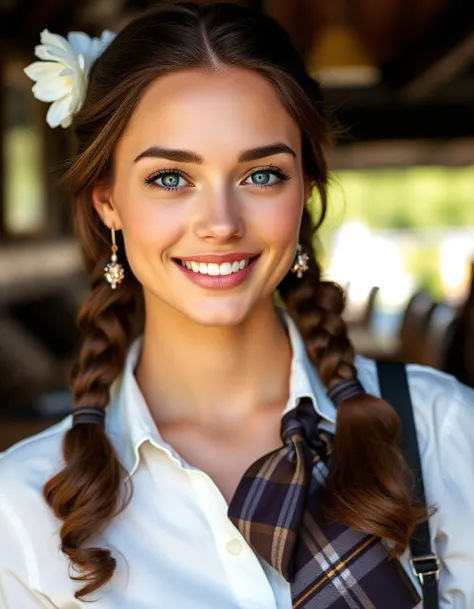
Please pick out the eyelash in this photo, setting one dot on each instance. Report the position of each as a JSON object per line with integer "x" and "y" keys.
{"x": 151, "y": 180}
{"x": 164, "y": 172}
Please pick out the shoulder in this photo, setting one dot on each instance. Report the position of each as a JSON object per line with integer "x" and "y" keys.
{"x": 28, "y": 526}
{"x": 436, "y": 396}
{"x": 26, "y": 466}
{"x": 443, "y": 411}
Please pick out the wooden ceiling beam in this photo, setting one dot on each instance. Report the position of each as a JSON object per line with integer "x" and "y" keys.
{"x": 393, "y": 121}
{"x": 444, "y": 48}
{"x": 386, "y": 26}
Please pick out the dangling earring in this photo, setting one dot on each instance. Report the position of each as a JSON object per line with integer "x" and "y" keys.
{"x": 300, "y": 265}
{"x": 114, "y": 272}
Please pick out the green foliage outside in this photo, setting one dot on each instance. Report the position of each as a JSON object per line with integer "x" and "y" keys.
{"x": 417, "y": 197}
{"x": 409, "y": 200}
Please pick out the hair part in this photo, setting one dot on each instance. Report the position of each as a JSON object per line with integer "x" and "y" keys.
{"x": 368, "y": 486}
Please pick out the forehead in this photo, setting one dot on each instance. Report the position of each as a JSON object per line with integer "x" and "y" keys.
{"x": 211, "y": 112}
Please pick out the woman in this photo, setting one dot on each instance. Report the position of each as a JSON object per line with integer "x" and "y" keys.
{"x": 201, "y": 139}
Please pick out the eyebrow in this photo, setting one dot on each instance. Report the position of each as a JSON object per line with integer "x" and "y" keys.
{"x": 180, "y": 156}
{"x": 262, "y": 151}
{"x": 186, "y": 156}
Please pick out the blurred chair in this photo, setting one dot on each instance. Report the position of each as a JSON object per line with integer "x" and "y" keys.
{"x": 413, "y": 329}
{"x": 460, "y": 351}
{"x": 360, "y": 313}
{"x": 366, "y": 340}
{"x": 441, "y": 330}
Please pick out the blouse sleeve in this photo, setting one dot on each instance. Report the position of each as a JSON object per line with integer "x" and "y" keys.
{"x": 455, "y": 536}
{"x": 15, "y": 590}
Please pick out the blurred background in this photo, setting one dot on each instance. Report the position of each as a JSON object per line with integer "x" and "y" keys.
{"x": 399, "y": 76}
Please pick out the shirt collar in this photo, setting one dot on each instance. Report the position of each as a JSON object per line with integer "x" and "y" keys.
{"x": 130, "y": 424}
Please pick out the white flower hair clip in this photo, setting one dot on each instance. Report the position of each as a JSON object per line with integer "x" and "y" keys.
{"x": 61, "y": 76}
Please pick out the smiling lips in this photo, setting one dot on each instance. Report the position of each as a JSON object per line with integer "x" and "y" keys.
{"x": 212, "y": 271}
{"x": 226, "y": 268}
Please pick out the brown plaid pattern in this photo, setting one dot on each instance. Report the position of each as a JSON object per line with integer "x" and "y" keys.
{"x": 276, "y": 508}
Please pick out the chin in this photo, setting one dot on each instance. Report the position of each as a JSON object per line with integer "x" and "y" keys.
{"x": 219, "y": 314}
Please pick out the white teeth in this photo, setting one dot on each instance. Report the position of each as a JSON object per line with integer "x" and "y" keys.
{"x": 225, "y": 269}
{"x": 214, "y": 269}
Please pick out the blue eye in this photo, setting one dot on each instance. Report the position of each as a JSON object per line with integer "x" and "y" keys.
{"x": 173, "y": 179}
{"x": 167, "y": 180}
{"x": 263, "y": 177}
{"x": 170, "y": 180}
{"x": 266, "y": 177}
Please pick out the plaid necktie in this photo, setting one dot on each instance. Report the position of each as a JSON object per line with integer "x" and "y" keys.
{"x": 276, "y": 508}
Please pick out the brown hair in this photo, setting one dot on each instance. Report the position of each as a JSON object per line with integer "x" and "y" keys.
{"x": 368, "y": 486}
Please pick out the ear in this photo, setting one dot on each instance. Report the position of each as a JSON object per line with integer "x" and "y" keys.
{"x": 308, "y": 187}
{"x": 102, "y": 201}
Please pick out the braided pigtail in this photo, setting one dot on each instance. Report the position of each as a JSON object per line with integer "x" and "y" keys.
{"x": 369, "y": 487}
{"x": 89, "y": 490}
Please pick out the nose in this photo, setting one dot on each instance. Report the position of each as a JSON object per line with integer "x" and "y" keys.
{"x": 219, "y": 218}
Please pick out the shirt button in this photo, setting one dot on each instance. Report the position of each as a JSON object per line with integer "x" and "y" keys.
{"x": 234, "y": 547}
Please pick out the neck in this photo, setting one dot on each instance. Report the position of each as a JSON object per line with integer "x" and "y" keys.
{"x": 213, "y": 376}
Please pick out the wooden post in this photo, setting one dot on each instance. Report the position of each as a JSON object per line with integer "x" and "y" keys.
{"x": 2, "y": 130}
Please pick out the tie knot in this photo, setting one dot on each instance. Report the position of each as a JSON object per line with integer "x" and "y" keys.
{"x": 301, "y": 421}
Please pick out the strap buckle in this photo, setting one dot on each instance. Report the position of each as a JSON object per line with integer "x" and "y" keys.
{"x": 422, "y": 566}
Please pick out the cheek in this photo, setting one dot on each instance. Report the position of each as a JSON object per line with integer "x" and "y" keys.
{"x": 149, "y": 223}
{"x": 279, "y": 218}
{"x": 150, "y": 230}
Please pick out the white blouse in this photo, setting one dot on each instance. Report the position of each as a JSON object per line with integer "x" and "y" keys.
{"x": 174, "y": 544}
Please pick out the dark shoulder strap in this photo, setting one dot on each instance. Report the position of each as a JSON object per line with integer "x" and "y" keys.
{"x": 424, "y": 563}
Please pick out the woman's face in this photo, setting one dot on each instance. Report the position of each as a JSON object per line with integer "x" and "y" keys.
{"x": 208, "y": 190}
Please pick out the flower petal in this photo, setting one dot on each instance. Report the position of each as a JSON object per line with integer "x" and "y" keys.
{"x": 82, "y": 62}
{"x": 67, "y": 122}
{"x": 68, "y": 59}
{"x": 78, "y": 92}
{"x": 59, "y": 112}
{"x": 43, "y": 52}
{"x": 42, "y": 69}
{"x": 54, "y": 41}
{"x": 61, "y": 77}
{"x": 106, "y": 37}
{"x": 80, "y": 42}
{"x": 50, "y": 84}
{"x": 49, "y": 90}
{"x": 100, "y": 44}
{"x": 52, "y": 54}
{"x": 56, "y": 48}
